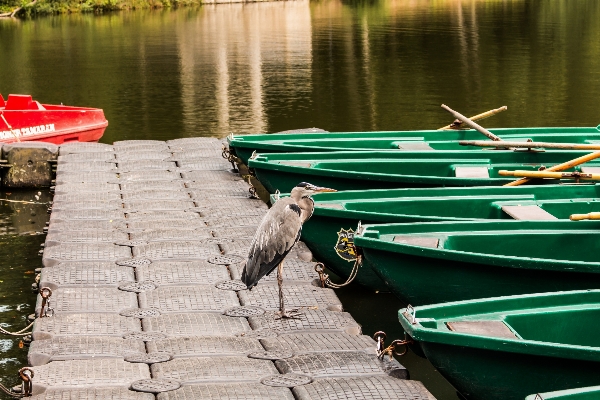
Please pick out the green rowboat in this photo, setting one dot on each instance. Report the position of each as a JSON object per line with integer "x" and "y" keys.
{"x": 506, "y": 348}
{"x": 427, "y": 263}
{"x": 337, "y": 215}
{"x": 587, "y": 393}
{"x": 244, "y": 146}
{"x": 381, "y": 170}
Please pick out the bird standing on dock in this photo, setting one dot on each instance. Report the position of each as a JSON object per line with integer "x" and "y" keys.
{"x": 278, "y": 232}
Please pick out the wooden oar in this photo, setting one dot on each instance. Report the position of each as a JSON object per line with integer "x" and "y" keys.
{"x": 456, "y": 124}
{"x": 581, "y": 217}
{"x": 472, "y": 124}
{"x": 530, "y": 145}
{"x": 552, "y": 175}
{"x": 560, "y": 167}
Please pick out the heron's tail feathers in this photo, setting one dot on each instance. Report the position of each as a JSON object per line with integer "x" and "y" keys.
{"x": 248, "y": 281}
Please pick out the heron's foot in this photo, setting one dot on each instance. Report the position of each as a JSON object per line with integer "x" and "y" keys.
{"x": 292, "y": 314}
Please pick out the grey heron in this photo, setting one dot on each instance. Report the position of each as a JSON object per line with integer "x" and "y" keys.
{"x": 278, "y": 232}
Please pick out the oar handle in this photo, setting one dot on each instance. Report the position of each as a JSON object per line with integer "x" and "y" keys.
{"x": 530, "y": 145}
{"x": 581, "y": 217}
{"x": 470, "y": 123}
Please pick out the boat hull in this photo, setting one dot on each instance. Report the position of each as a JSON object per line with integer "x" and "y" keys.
{"x": 29, "y": 120}
{"x": 421, "y": 274}
{"x": 336, "y": 215}
{"x": 420, "y": 280}
{"x": 244, "y": 146}
{"x": 585, "y": 393}
{"x": 506, "y": 348}
{"x": 321, "y": 235}
{"x": 384, "y": 170}
{"x": 480, "y": 374}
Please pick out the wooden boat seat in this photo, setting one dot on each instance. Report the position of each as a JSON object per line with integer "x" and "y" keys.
{"x": 590, "y": 170}
{"x": 482, "y": 328}
{"x": 528, "y": 213}
{"x": 295, "y": 164}
{"x": 417, "y": 241}
{"x": 335, "y": 206}
{"x": 415, "y": 145}
{"x": 471, "y": 172}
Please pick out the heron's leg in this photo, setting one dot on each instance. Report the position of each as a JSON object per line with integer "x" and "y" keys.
{"x": 280, "y": 284}
{"x": 282, "y": 313}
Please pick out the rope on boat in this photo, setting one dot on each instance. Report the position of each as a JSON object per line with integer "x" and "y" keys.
{"x": 324, "y": 277}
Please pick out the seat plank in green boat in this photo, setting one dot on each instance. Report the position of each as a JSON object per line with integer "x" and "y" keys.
{"x": 506, "y": 348}
{"x": 381, "y": 170}
{"x": 426, "y": 263}
{"x": 244, "y": 145}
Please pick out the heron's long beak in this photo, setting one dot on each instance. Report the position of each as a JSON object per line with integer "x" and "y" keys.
{"x": 319, "y": 189}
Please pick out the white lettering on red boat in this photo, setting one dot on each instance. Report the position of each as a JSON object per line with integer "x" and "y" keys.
{"x": 31, "y": 130}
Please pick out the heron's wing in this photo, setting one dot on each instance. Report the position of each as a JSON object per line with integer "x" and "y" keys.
{"x": 276, "y": 235}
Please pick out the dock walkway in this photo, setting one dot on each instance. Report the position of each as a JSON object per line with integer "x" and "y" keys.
{"x": 145, "y": 246}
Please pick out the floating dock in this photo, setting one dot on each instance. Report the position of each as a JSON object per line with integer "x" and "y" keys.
{"x": 142, "y": 260}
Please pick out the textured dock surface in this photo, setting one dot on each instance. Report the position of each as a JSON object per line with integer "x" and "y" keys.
{"x": 145, "y": 248}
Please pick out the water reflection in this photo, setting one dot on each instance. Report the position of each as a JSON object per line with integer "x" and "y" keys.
{"x": 28, "y": 211}
{"x": 339, "y": 65}
{"x": 225, "y": 52}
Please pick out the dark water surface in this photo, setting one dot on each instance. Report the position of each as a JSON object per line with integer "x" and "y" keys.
{"x": 264, "y": 67}
{"x": 23, "y": 215}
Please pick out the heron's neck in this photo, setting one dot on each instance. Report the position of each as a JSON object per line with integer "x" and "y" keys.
{"x": 307, "y": 205}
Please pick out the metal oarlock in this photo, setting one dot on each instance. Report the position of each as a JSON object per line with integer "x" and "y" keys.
{"x": 410, "y": 312}
{"x": 46, "y": 310}
{"x": 391, "y": 349}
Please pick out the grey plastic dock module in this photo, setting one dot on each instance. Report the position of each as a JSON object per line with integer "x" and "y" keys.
{"x": 144, "y": 254}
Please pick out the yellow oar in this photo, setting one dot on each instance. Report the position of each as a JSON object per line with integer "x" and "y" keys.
{"x": 560, "y": 167}
{"x": 458, "y": 123}
{"x": 581, "y": 217}
{"x": 551, "y": 175}
{"x": 530, "y": 145}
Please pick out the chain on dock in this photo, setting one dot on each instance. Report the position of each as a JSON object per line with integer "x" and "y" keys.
{"x": 226, "y": 154}
{"x": 324, "y": 277}
{"x": 391, "y": 349}
{"x": 46, "y": 310}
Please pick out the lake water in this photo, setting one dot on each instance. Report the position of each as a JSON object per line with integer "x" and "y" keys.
{"x": 265, "y": 67}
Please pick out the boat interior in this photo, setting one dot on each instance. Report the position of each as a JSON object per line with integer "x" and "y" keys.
{"x": 419, "y": 143}
{"x": 525, "y": 244}
{"x": 459, "y": 168}
{"x": 546, "y": 319}
{"x": 335, "y": 138}
{"x": 478, "y": 207}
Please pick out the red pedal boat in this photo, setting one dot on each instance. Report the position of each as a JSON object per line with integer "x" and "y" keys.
{"x": 24, "y": 119}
